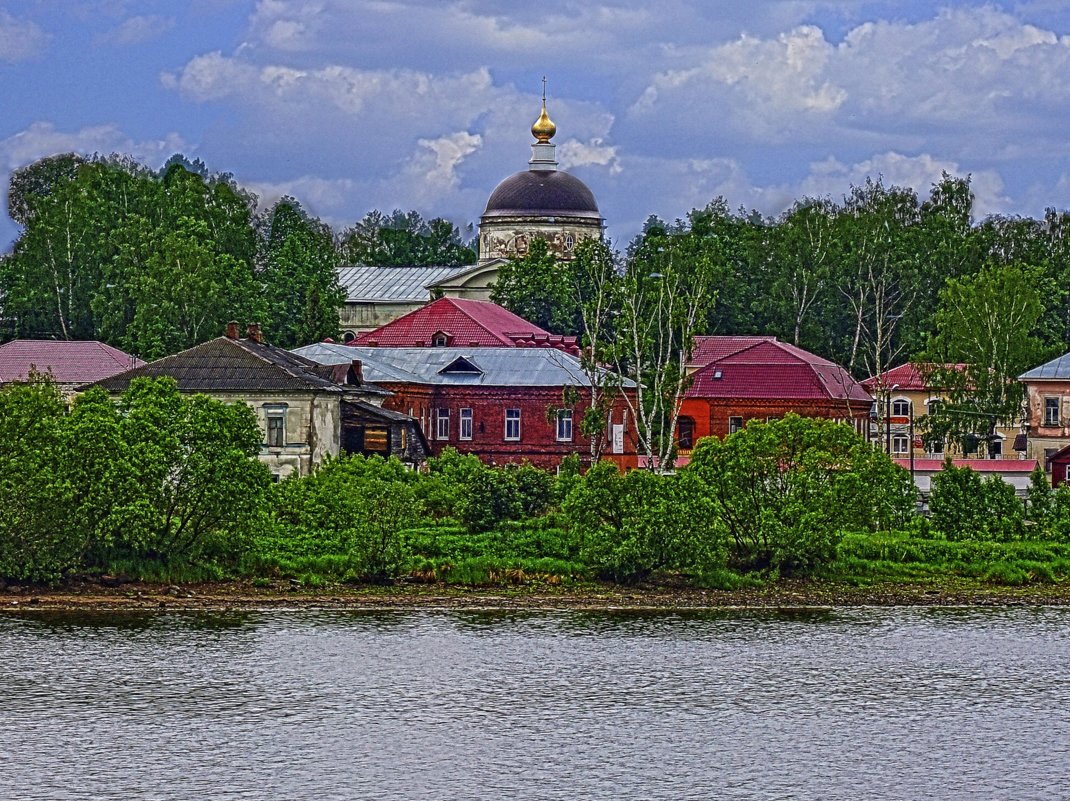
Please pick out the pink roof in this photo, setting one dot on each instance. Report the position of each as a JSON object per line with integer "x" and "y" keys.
{"x": 768, "y": 369}
{"x": 68, "y": 362}
{"x": 906, "y": 377}
{"x": 978, "y": 465}
{"x": 467, "y": 323}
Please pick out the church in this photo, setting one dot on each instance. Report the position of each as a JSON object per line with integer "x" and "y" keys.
{"x": 539, "y": 202}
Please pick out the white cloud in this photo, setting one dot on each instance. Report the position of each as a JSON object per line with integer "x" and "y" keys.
{"x": 20, "y": 39}
{"x": 436, "y": 167}
{"x": 594, "y": 152}
{"x": 42, "y": 139}
{"x": 137, "y": 29}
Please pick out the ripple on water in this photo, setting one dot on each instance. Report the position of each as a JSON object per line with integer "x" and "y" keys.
{"x": 841, "y": 704}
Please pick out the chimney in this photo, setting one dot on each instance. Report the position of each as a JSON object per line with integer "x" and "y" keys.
{"x": 231, "y": 331}
{"x": 252, "y": 332}
{"x": 356, "y": 373}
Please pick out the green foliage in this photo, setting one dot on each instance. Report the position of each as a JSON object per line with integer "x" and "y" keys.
{"x": 159, "y": 479}
{"x": 963, "y": 506}
{"x": 353, "y": 506}
{"x": 405, "y": 239}
{"x": 36, "y": 497}
{"x": 537, "y": 288}
{"x": 300, "y": 275}
{"x": 785, "y": 489}
{"x": 628, "y": 526}
{"x": 442, "y": 489}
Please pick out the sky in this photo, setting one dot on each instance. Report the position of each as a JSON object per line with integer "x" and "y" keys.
{"x": 353, "y": 105}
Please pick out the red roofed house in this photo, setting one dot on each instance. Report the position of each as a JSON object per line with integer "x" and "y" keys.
{"x": 70, "y": 364}
{"x": 463, "y": 323}
{"x": 736, "y": 379}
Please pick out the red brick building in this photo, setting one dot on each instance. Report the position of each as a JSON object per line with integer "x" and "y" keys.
{"x": 736, "y": 379}
{"x": 463, "y": 323}
{"x": 504, "y": 404}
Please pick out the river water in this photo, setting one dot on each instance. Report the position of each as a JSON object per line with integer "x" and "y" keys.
{"x": 842, "y": 704}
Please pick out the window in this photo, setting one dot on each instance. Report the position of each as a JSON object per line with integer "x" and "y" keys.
{"x": 936, "y": 448}
{"x": 442, "y": 423}
{"x": 564, "y": 425}
{"x": 685, "y": 433}
{"x": 900, "y": 407}
{"x": 900, "y": 445}
{"x": 734, "y": 424}
{"x": 276, "y": 429}
{"x": 1051, "y": 411}
{"x": 995, "y": 448}
{"x": 466, "y": 424}
{"x": 512, "y": 424}
{"x": 440, "y": 339}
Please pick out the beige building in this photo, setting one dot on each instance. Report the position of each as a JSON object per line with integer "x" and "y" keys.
{"x": 1047, "y": 392}
{"x": 902, "y": 396}
{"x": 306, "y": 411}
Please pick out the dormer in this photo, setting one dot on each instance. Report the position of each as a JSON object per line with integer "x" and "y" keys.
{"x": 461, "y": 366}
{"x": 441, "y": 339}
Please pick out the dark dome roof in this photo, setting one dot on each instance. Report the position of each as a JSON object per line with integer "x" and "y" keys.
{"x": 542, "y": 193}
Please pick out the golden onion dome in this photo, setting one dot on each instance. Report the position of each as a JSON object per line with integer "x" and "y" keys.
{"x": 544, "y": 129}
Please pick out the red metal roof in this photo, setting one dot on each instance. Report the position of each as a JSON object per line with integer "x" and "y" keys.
{"x": 906, "y": 377}
{"x": 710, "y": 349}
{"x": 766, "y": 368}
{"x": 978, "y": 465}
{"x": 69, "y": 362}
{"x": 467, "y": 323}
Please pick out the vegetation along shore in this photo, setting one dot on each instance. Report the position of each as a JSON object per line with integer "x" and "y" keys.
{"x": 164, "y": 502}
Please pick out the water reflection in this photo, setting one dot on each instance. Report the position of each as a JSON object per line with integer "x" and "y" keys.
{"x": 860, "y": 703}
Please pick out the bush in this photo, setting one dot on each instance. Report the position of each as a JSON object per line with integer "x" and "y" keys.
{"x": 963, "y": 506}
{"x": 785, "y": 489}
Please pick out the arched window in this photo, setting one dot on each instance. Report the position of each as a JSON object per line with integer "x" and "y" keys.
{"x": 900, "y": 407}
{"x": 900, "y": 445}
{"x": 348, "y": 336}
{"x": 685, "y": 433}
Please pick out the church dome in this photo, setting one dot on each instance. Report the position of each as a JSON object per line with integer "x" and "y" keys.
{"x": 542, "y": 193}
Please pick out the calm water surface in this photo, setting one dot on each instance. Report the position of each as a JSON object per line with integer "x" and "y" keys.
{"x": 849, "y": 704}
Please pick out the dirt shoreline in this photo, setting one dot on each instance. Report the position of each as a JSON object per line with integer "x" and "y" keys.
{"x": 244, "y": 596}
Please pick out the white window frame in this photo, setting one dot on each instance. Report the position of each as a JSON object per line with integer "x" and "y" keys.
{"x": 900, "y": 439}
{"x": 512, "y": 425}
{"x": 937, "y": 449}
{"x": 901, "y": 407}
{"x": 464, "y": 425}
{"x": 442, "y": 424}
{"x": 1057, "y": 408}
{"x": 564, "y": 425}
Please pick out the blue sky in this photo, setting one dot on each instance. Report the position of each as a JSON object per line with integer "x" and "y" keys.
{"x": 350, "y": 105}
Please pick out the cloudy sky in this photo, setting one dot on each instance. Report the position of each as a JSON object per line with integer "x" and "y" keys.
{"x": 350, "y": 105}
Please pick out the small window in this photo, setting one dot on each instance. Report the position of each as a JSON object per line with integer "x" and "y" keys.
{"x": 995, "y": 448}
{"x": 276, "y": 430}
{"x": 734, "y": 424}
{"x": 900, "y": 445}
{"x": 564, "y": 425}
{"x": 440, "y": 340}
{"x": 685, "y": 433}
{"x": 466, "y": 424}
{"x": 1051, "y": 411}
{"x": 937, "y": 448}
{"x": 900, "y": 407}
{"x": 442, "y": 423}
{"x": 512, "y": 424}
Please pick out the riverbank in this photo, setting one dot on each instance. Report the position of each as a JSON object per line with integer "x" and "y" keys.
{"x": 241, "y": 595}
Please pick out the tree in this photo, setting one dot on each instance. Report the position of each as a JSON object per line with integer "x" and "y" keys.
{"x": 668, "y": 286}
{"x": 538, "y": 288}
{"x": 963, "y": 506}
{"x": 405, "y": 239}
{"x": 193, "y": 461}
{"x": 299, "y": 275}
{"x": 985, "y": 337}
{"x": 37, "y": 540}
{"x": 787, "y": 488}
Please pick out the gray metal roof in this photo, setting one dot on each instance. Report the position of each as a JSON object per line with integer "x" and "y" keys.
{"x": 385, "y": 284}
{"x": 1056, "y": 369}
{"x": 498, "y": 367}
